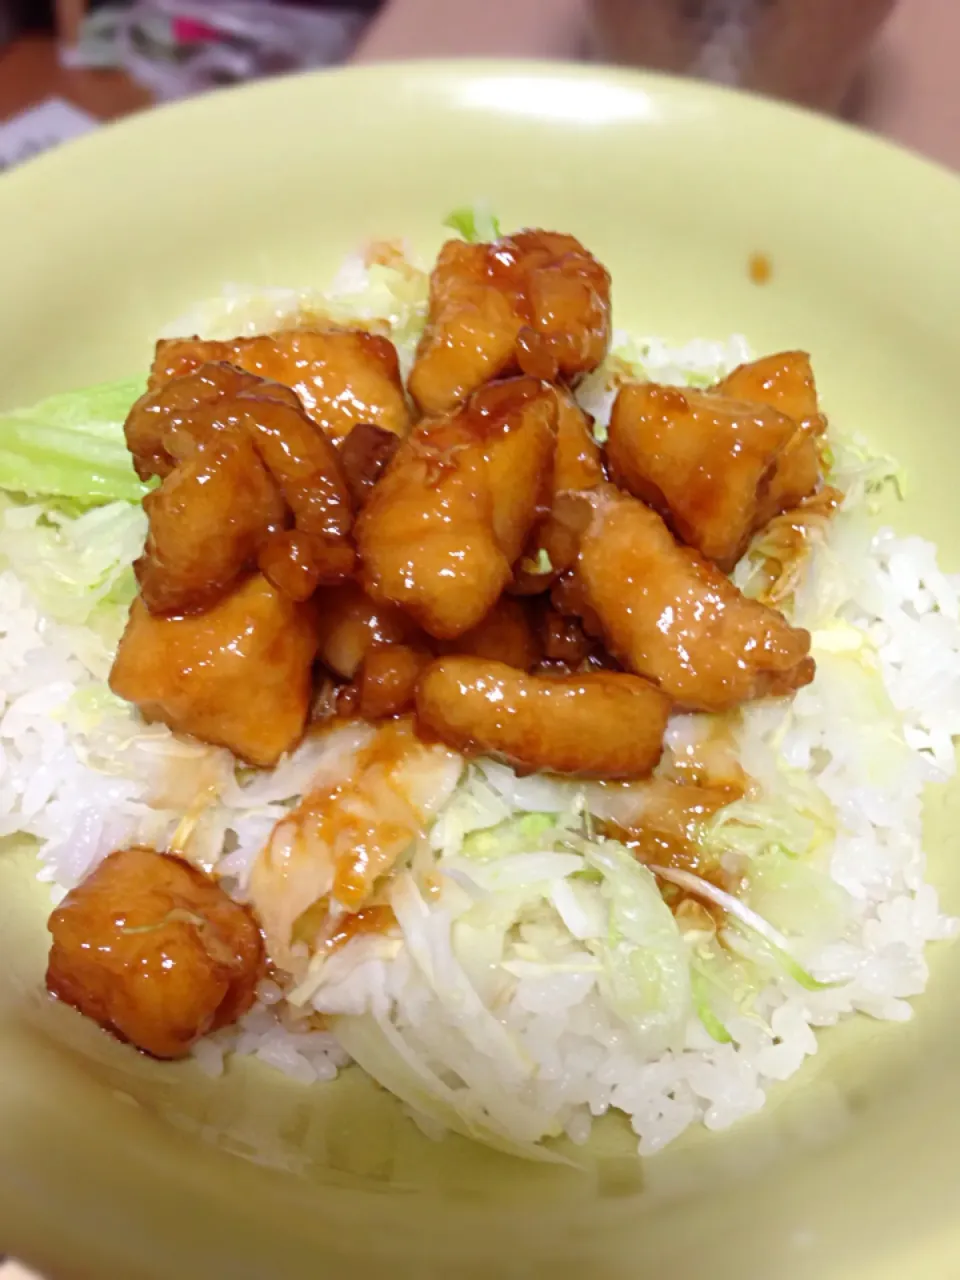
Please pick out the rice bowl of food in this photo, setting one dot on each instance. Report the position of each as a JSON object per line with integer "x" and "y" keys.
{"x": 482, "y": 689}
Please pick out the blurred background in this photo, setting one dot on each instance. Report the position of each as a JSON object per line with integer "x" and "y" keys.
{"x": 891, "y": 65}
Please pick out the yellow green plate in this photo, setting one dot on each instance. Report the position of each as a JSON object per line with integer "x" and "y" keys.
{"x": 113, "y": 1166}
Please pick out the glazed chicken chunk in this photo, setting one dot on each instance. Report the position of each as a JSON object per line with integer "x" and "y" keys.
{"x": 376, "y": 647}
{"x": 238, "y": 675}
{"x": 536, "y": 302}
{"x": 577, "y": 465}
{"x": 341, "y": 376}
{"x": 159, "y": 416}
{"x": 674, "y": 618}
{"x": 154, "y": 951}
{"x": 390, "y": 672}
{"x": 206, "y": 523}
{"x": 451, "y": 514}
{"x": 785, "y": 382}
{"x": 507, "y": 634}
{"x": 364, "y": 456}
{"x": 240, "y": 462}
{"x": 349, "y": 624}
{"x": 577, "y": 462}
{"x": 297, "y": 562}
{"x": 301, "y": 460}
{"x": 603, "y": 724}
{"x": 388, "y": 680}
{"x": 704, "y": 461}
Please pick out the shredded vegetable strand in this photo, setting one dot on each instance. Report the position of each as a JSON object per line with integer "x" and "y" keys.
{"x": 746, "y": 917}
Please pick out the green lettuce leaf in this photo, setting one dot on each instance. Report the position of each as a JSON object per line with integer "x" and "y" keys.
{"x": 474, "y": 222}
{"x": 72, "y": 446}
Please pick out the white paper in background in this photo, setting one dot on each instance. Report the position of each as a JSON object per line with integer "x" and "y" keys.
{"x": 41, "y": 127}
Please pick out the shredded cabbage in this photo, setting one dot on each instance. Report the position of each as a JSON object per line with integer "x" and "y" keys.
{"x": 74, "y": 566}
{"x": 383, "y": 1054}
{"x": 700, "y": 985}
{"x": 517, "y": 872}
{"x": 72, "y": 446}
{"x": 725, "y": 984}
{"x": 427, "y": 941}
{"x": 749, "y": 921}
{"x": 531, "y": 900}
{"x": 397, "y": 293}
{"x": 796, "y": 818}
{"x": 861, "y": 472}
{"x": 513, "y": 837}
{"x": 797, "y": 897}
{"x": 646, "y": 977}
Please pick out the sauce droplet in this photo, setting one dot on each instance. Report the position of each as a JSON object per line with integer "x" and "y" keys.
{"x": 759, "y": 268}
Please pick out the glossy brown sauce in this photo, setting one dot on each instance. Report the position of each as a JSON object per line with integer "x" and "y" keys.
{"x": 668, "y": 834}
{"x": 698, "y": 780}
{"x": 350, "y": 625}
{"x": 368, "y": 920}
{"x": 297, "y": 562}
{"x": 386, "y": 253}
{"x": 494, "y": 407}
{"x": 669, "y": 837}
{"x": 711, "y": 760}
{"x": 366, "y": 818}
{"x": 388, "y": 680}
{"x": 364, "y": 455}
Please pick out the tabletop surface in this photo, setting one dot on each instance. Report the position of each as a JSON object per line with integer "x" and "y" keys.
{"x": 30, "y": 72}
